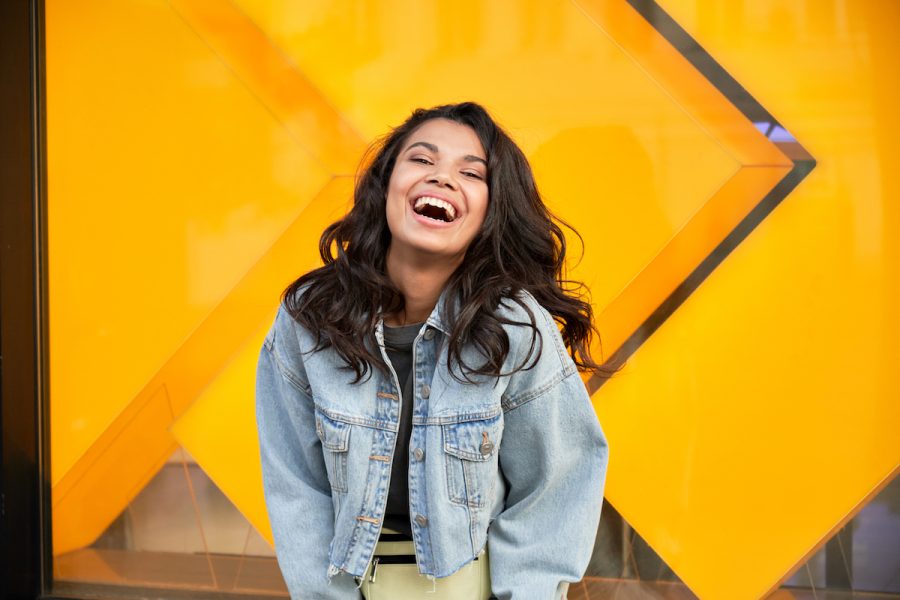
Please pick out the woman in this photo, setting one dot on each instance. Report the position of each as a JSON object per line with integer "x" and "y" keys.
{"x": 417, "y": 386}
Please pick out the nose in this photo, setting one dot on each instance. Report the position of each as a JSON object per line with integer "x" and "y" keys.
{"x": 441, "y": 179}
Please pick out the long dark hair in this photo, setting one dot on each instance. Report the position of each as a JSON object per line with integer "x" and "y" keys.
{"x": 519, "y": 247}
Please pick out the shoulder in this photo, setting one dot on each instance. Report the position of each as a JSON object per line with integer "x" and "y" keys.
{"x": 523, "y": 318}
{"x": 287, "y": 339}
{"x": 286, "y": 325}
{"x": 535, "y": 343}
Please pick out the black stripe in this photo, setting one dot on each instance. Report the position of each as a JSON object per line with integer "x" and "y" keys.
{"x": 803, "y": 161}
{"x": 394, "y": 537}
{"x": 396, "y": 559}
{"x": 399, "y": 559}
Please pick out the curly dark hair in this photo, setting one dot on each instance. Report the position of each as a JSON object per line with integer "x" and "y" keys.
{"x": 519, "y": 248}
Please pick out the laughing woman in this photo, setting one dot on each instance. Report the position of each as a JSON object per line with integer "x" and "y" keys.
{"x": 422, "y": 423}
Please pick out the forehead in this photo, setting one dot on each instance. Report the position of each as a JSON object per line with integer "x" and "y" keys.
{"x": 449, "y": 136}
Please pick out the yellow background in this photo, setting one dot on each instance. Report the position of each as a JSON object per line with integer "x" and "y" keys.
{"x": 197, "y": 148}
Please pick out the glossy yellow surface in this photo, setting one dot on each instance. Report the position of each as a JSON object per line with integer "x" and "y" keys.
{"x": 187, "y": 190}
{"x": 765, "y": 409}
{"x": 170, "y": 181}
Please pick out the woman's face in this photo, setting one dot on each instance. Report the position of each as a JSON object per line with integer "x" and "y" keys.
{"x": 437, "y": 196}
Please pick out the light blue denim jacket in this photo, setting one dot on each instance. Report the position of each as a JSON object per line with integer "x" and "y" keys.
{"x": 517, "y": 462}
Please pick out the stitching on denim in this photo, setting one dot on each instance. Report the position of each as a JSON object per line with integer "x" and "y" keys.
{"x": 289, "y": 376}
{"x": 451, "y": 461}
{"x": 336, "y": 451}
{"x": 472, "y": 466}
{"x": 355, "y": 420}
{"x": 334, "y": 438}
{"x": 517, "y": 401}
{"x": 458, "y": 418}
{"x": 478, "y": 457}
{"x": 340, "y": 471}
{"x": 470, "y": 477}
{"x": 473, "y": 522}
{"x": 554, "y": 334}
{"x": 549, "y": 330}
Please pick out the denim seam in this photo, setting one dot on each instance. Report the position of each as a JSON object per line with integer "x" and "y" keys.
{"x": 288, "y": 375}
{"x": 557, "y": 339}
{"x": 451, "y": 494}
{"x": 517, "y": 401}
{"x": 458, "y": 418}
{"x": 470, "y": 476}
{"x": 362, "y": 421}
{"x": 473, "y": 524}
{"x": 339, "y": 466}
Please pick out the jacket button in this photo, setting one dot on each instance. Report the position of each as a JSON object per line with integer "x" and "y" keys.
{"x": 426, "y": 391}
{"x": 486, "y": 444}
{"x": 419, "y": 454}
{"x": 421, "y": 521}
{"x": 429, "y": 333}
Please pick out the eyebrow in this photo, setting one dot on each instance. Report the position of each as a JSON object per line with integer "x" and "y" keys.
{"x": 433, "y": 148}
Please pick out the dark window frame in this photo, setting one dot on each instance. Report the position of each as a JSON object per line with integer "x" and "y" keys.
{"x": 25, "y": 537}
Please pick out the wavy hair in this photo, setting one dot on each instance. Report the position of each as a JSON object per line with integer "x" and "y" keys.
{"x": 520, "y": 247}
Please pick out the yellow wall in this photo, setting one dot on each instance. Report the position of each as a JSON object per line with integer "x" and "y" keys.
{"x": 197, "y": 148}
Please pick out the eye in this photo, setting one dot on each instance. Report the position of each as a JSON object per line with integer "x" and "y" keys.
{"x": 420, "y": 160}
{"x": 473, "y": 175}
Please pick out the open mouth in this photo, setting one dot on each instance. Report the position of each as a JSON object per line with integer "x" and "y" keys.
{"x": 435, "y": 208}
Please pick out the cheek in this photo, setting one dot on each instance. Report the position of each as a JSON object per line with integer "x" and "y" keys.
{"x": 401, "y": 178}
{"x": 481, "y": 208}
{"x": 394, "y": 211}
{"x": 396, "y": 197}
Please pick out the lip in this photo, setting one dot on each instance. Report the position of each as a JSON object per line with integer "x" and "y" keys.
{"x": 454, "y": 204}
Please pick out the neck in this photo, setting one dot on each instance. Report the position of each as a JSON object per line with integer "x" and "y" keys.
{"x": 421, "y": 284}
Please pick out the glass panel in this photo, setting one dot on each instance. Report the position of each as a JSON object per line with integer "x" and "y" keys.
{"x": 196, "y": 150}
{"x": 624, "y": 565}
{"x": 179, "y": 532}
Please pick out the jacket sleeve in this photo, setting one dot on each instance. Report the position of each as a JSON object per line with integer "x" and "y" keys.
{"x": 553, "y": 456}
{"x": 295, "y": 482}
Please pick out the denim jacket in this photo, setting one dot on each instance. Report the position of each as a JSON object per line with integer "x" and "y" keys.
{"x": 516, "y": 462}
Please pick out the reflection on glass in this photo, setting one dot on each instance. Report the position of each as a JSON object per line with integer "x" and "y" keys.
{"x": 180, "y": 531}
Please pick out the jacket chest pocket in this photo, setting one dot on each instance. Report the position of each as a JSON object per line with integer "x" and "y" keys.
{"x": 470, "y": 456}
{"x": 335, "y": 438}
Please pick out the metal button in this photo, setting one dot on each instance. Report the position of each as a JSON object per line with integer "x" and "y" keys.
{"x": 486, "y": 444}
{"x": 421, "y": 521}
{"x": 419, "y": 453}
{"x": 429, "y": 333}
{"x": 426, "y": 391}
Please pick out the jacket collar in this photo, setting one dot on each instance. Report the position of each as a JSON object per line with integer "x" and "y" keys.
{"x": 435, "y": 319}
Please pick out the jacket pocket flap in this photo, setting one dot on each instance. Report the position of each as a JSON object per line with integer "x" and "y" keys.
{"x": 473, "y": 440}
{"x": 334, "y": 435}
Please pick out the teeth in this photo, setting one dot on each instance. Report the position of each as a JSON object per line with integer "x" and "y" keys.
{"x": 448, "y": 208}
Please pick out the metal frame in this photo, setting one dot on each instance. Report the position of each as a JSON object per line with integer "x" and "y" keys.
{"x": 25, "y": 540}
{"x": 731, "y": 89}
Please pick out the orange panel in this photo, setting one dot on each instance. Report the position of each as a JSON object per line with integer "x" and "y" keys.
{"x": 776, "y": 374}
